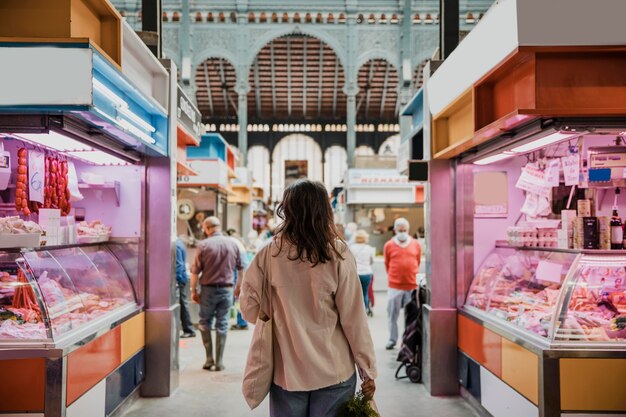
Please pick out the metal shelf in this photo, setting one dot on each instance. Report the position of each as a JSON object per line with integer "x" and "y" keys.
{"x": 503, "y": 244}
{"x": 115, "y": 186}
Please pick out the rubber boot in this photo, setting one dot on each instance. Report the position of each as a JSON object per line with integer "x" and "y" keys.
{"x": 220, "y": 346}
{"x": 208, "y": 347}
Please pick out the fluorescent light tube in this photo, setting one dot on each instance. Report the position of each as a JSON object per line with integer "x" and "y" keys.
{"x": 543, "y": 142}
{"x": 493, "y": 158}
{"x": 98, "y": 158}
{"x": 55, "y": 141}
{"x": 136, "y": 119}
{"x": 105, "y": 91}
{"x": 125, "y": 124}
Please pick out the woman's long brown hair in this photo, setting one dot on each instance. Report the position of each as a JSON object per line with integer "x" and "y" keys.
{"x": 308, "y": 223}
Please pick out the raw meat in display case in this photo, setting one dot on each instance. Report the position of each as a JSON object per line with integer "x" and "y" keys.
{"x": 595, "y": 304}
{"x": 46, "y": 294}
{"x": 562, "y": 296}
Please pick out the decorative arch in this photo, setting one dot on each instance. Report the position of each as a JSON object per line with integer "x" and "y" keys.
{"x": 364, "y": 150}
{"x": 322, "y": 35}
{"x": 378, "y": 54}
{"x": 259, "y": 165}
{"x": 335, "y": 166}
{"x": 296, "y": 76}
{"x": 212, "y": 52}
{"x": 295, "y": 146}
{"x": 390, "y": 146}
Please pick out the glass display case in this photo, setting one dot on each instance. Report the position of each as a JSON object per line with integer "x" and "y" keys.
{"x": 557, "y": 297}
{"x": 53, "y": 295}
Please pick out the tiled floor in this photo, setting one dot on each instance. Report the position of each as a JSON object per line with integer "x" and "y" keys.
{"x": 203, "y": 393}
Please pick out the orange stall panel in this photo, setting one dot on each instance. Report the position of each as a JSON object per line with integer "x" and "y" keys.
{"x": 481, "y": 344}
{"x": 24, "y": 381}
{"x": 92, "y": 363}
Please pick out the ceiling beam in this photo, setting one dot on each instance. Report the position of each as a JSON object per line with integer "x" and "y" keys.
{"x": 289, "y": 77}
{"x": 368, "y": 88}
{"x": 335, "y": 87}
{"x": 273, "y": 79}
{"x": 257, "y": 88}
{"x": 304, "y": 75}
{"x": 382, "y": 100}
{"x": 224, "y": 91}
{"x": 320, "y": 80}
{"x": 208, "y": 87}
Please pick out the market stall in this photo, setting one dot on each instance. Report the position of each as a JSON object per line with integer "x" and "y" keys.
{"x": 206, "y": 194}
{"x": 376, "y": 197}
{"x": 240, "y": 202}
{"x": 79, "y": 139}
{"x": 527, "y": 127}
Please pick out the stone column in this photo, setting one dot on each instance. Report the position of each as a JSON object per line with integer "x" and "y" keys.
{"x": 243, "y": 69}
{"x": 242, "y": 119}
{"x": 351, "y": 88}
{"x": 351, "y": 125}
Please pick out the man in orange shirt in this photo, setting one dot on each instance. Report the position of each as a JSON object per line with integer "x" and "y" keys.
{"x": 402, "y": 261}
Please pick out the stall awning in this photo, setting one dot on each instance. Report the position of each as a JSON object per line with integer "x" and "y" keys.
{"x": 518, "y": 66}
{"x": 77, "y": 81}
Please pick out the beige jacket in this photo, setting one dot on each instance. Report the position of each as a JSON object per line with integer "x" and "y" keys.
{"x": 320, "y": 325}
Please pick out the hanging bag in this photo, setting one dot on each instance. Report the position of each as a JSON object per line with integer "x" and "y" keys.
{"x": 259, "y": 372}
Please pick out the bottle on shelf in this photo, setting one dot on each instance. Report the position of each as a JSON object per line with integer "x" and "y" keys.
{"x": 617, "y": 227}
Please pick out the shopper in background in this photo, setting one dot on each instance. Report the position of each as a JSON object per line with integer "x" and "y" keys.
{"x": 364, "y": 256}
{"x": 241, "y": 323}
{"x": 217, "y": 258}
{"x": 402, "y": 259}
{"x": 181, "y": 283}
{"x": 320, "y": 326}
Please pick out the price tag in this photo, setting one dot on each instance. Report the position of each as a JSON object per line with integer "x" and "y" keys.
{"x": 36, "y": 177}
{"x": 549, "y": 271}
{"x": 571, "y": 169}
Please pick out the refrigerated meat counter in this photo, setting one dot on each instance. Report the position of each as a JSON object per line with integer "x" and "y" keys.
{"x": 545, "y": 328}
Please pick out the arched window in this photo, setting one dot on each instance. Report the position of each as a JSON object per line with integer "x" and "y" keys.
{"x": 390, "y": 146}
{"x": 335, "y": 166}
{"x": 295, "y": 147}
{"x": 364, "y": 150}
{"x": 259, "y": 166}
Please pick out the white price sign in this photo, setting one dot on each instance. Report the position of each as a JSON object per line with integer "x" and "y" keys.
{"x": 549, "y": 271}
{"x": 36, "y": 176}
{"x": 571, "y": 169}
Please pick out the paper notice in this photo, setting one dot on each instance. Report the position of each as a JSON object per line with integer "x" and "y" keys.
{"x": 549, "y": 271}
{"x": 36, "y": 177}
{"x": 533, "y": 181}
{"x": 72, "y": 181}
{"x": 552, "y": 172}
{"x": 571, "y": 169}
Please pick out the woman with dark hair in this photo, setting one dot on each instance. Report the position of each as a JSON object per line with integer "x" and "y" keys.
{"x": 320, "y": 325}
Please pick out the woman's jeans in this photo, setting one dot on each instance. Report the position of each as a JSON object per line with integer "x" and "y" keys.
{"x": 324, "y": 402}
{"x": 365, "y": 284}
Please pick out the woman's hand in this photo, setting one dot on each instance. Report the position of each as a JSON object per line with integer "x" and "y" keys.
{"x": 368, "y": 388}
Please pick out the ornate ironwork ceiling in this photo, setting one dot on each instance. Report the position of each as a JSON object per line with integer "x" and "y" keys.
{"x": 378, "y": 91}
{"x": 296, "y": 77}
{"x": 215, "y": 95}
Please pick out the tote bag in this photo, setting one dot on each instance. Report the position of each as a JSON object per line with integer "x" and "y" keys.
{"x": 259, "y": 372}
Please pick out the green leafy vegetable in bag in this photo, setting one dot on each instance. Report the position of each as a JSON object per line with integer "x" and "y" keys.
{"x": 358, "y": 406}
